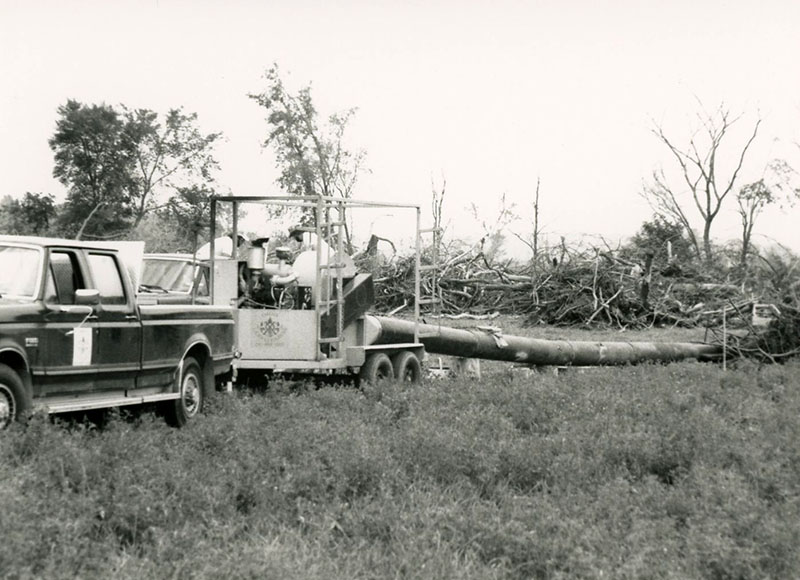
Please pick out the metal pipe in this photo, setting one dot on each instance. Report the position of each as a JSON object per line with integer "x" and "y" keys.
{"x": 491, "y": 345}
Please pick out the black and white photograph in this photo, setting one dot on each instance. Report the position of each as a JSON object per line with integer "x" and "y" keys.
{"x": 489, "y": 290}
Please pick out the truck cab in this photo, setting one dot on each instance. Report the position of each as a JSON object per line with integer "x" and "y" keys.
{"x": 73, "y": 336}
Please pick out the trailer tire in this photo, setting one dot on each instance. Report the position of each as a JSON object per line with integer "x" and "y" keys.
{"x": 14, "y": 401}
{"x": 192, "y": 395}
{"x": 378, "y": 367}
{"x": 407, "y": 368}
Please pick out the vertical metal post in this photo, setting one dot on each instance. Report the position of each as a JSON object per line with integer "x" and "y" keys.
{"x": 235, "y": 234}
{"x": 417, "y": 265}
{"x": 339, "y": 275}
{"x": 724, "y": 342}
{"x": 319, "y": 277}
{"x": 212, "y": 233}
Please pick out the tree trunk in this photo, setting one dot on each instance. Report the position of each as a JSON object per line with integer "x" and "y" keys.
{"x": 707, "y": 242}
{"x": 86, "y": 221}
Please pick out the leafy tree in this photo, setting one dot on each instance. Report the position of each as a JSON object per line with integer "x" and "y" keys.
{"x": 182, "y": 223}
{"x": 751, "y": 199}
{"x": 120, "y": 166}
{"x": 158, "y": 232}
{"x": 657, "y": 235}
{"x": 167, "y": 157}
{"x": 190, "y": 210}
{"x": 93, "y": 160}
{"x": 311, "y": 155}
{"x": 31, "y": 215}
{"x": 702, "y": 179}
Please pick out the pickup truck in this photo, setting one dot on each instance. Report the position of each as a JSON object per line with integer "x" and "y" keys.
{"x": 73, "y": 336}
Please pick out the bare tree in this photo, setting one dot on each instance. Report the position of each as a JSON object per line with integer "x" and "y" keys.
{"x": 705, "y": 182}
{"x": 533, "y": 241}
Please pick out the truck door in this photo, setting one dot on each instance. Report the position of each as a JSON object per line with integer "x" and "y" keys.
{"x": 70, "y": 330}
{"x": 119, "y": 332}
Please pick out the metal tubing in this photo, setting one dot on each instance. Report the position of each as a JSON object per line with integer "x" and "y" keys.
{"x": 310, "y": 201}
{"x": 476, "y": 343}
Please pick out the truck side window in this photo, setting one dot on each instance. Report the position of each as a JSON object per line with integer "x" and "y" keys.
{"x": 107, "y": 279}
{"x": 63, "y": 278}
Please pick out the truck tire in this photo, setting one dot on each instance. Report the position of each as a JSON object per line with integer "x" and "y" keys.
{"x": 407, "y": 368}
{"x": 14, "y": 401}
{"x": 378, "y": 367}
{"x": 192, "y": 391}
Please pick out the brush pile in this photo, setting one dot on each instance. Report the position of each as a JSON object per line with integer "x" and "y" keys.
{"x": 590, "y": 288}
{"x": 605, "y": 289}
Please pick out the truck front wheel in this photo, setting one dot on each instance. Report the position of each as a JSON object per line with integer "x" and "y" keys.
{"x": 13, "y": 402}
{"x": 190, "y": 403}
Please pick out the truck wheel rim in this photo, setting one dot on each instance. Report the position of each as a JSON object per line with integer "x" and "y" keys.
{"x": 6, "y": 406}
{"x": 191, "y": 394}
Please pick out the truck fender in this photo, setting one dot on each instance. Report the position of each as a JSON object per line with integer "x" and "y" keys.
{"x": 8, "y": 347}
{"x": 193, "y": 344}
{"x": 15, "y": 357}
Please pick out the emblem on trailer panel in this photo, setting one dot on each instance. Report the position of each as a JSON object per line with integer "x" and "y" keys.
{"x": 270, "y": 329}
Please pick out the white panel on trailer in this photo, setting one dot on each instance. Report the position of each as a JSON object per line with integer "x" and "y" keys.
{"x": 266, "y": 334}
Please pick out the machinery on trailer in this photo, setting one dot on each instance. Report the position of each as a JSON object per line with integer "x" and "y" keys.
{"x": 309, "y": 314}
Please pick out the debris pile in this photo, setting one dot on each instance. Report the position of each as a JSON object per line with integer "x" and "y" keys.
{"x": 605, "y": 288}
{"x": 589, "y": 288}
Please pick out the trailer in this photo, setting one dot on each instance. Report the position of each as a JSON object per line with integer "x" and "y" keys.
{"x": 309, "y": 313}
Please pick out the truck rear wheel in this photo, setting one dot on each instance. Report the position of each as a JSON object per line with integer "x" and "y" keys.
{"x": 190, "y": 403}
{"x": 407, "y": 368}
{"x": 378, "y": 367}
{"x": 13, "y": 401}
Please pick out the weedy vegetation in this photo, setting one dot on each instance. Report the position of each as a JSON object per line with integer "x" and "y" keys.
{"x": 662, "y": 471}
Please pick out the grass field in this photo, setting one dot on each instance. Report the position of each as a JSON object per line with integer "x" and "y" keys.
{"x": 675, "y": 471}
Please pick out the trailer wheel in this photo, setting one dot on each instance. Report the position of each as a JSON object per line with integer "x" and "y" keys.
{"x": 407, "y": 368}
{"x": 378, "y": 367}
{"x": 14, "y": 403}
{"x": 182, "y": 410}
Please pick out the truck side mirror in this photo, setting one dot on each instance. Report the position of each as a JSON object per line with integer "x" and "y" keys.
{"x": 87, "y": 297}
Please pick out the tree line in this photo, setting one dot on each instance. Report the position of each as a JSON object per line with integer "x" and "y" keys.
{"x": 121, "y": 167}
{"x": 139, "y": 174}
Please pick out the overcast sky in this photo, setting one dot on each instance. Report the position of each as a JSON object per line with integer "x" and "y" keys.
{"x": 488, "y": 94}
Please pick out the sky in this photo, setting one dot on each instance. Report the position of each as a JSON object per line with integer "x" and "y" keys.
{"x": 487, "y": 96}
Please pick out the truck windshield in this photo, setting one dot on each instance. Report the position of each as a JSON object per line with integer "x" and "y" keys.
{"x": 167, "y": 275}
{"x": 21, "y": 267}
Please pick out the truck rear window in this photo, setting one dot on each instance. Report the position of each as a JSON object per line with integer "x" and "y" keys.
{"x": 169, "y": 275}
{"x": 25, "y": 264}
